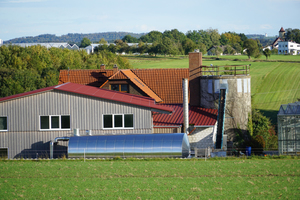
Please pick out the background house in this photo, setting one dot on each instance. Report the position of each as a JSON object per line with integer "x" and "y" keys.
{"x": 28, "y": 121}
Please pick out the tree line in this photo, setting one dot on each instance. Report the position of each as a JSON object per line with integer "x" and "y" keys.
{"x": 35, "y": 67}
{"x": 73, "y": 38}
{"x": 174, "y": 42}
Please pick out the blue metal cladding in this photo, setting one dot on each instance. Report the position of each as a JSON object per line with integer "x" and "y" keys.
{"x": 140, "y": 145}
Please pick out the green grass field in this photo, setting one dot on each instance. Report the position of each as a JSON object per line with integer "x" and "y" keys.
{"x": 273, "y": 82}
{"x": 234, "y": 178}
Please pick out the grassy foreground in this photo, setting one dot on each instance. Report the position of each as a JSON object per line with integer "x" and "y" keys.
{"x": 153, "y": 179}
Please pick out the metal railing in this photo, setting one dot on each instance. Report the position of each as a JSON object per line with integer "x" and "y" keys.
{"x": 234, "y": 70}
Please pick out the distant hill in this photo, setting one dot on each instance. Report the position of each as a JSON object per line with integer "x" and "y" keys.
{"x": 74, "y": 37}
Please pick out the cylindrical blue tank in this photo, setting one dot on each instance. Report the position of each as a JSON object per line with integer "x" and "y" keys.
{"x": 139, "y": 145}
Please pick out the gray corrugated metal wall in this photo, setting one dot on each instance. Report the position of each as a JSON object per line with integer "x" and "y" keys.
{"x": 85, "y": 113}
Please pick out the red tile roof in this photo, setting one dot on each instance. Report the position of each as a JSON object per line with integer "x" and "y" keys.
{"x": 99, "y": 93}
{"x": 166, "y": 83}
{"x": 91, "y": 77}
{"x": 128, "y": 74}
{"x": 197, "y": 116}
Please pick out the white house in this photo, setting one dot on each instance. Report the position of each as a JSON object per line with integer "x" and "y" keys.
{"x": 288, "y": 47}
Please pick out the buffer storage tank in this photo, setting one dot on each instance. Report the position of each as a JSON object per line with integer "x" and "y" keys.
{"x": 139, "y": 145}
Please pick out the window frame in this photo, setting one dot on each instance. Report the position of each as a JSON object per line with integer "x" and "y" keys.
{"x": 50, "y": 123}
{"x": 5, "y": 130}
{"x": 119, "y": 87}
{"x": 113, "y": 121}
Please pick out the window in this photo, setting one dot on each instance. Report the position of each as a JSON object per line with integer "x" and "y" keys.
{"x": 118, "y": 121}
{"x": 291, "y": 45}
{"x": 3, "y": 123}
{"x": 120, "y": 87}
{"x": 55, "y": 122}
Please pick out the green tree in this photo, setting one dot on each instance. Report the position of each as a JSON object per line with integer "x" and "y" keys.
{"x": 293, "y": 34}
{"x": 229, "y": 50}
{"x": 154, "y": 49}
{"x": 267, "y": 53}
{"x": 202, "y": 48}
{"x": 151, "y": 37}
{"x": 103, "y": 41}
{"x": 237, "y": 47}
{"x": 130, "y": 39}
{"x": 223, "y": 39}
{"x": 216, "y": 51}
{"x": 165, "y": 47}
{"x": 251, "y": 48}
{"x": 194, "y": 36}
{"x": 188, "y": 45}
{"x": 214, "y": 36}
{"x": 85, "y": 42}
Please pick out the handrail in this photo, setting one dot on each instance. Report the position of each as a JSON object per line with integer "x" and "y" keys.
{"x": 228, "y": 70}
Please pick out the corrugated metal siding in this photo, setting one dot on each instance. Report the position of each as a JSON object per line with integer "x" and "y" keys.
{"x": 85, "y": 113}
{"x": 28, "y": 144}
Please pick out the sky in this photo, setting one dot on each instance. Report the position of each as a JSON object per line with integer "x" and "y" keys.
{"x": 22, "y": 18}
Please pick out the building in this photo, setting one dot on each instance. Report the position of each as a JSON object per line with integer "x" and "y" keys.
{"x": 284, "y": 46}
{"x": 288, "y": 47}
{"x": 61, "y": 45}
{"x": 280, "y": 38}
{"x": 165, "y": 86}
{"x": 29, "y": 121}
{"x": 288, "y": 119}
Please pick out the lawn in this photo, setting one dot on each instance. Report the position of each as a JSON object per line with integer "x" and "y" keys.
{"x": 234, "y": 178}
{"x": 273, "y": 82}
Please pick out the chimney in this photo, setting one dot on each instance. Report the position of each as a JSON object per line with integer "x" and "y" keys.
{"x": 102, "y": 66}
{"x": 185, "y": 91}
{"x": 115, "y": 68}
{"x": 195, "y": 62}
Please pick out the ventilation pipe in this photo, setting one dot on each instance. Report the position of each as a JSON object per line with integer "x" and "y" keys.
{"x": 52, "y": 142}
{"x": 76, "y": 132}
{"x": 185, "y": 105}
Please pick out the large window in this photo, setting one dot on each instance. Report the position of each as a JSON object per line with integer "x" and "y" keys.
{"x": 55, "y": 122}
{"x": 118, "y": 121}
{"x": 120, "y": 87}
{"x": 3, "y": 123}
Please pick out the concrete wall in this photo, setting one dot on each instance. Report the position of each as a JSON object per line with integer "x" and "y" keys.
{"x": 203, "y": 137}
{"x": 238, "y": 99}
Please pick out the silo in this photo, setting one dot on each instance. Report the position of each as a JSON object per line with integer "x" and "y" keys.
{"x": 237, "y": 80}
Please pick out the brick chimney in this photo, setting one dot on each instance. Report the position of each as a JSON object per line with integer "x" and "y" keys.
{"x": 115, "y": 68}
{"x": 195, "y": 61}
{"x": 102, "y": 66}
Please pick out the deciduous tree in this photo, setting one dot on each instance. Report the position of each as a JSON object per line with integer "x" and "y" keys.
{"x": 252, "y": 48}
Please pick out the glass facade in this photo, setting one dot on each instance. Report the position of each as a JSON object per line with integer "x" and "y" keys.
{"x": 289, "y": 128}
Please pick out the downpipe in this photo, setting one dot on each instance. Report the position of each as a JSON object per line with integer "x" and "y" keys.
{"x": 52, "y": 142}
